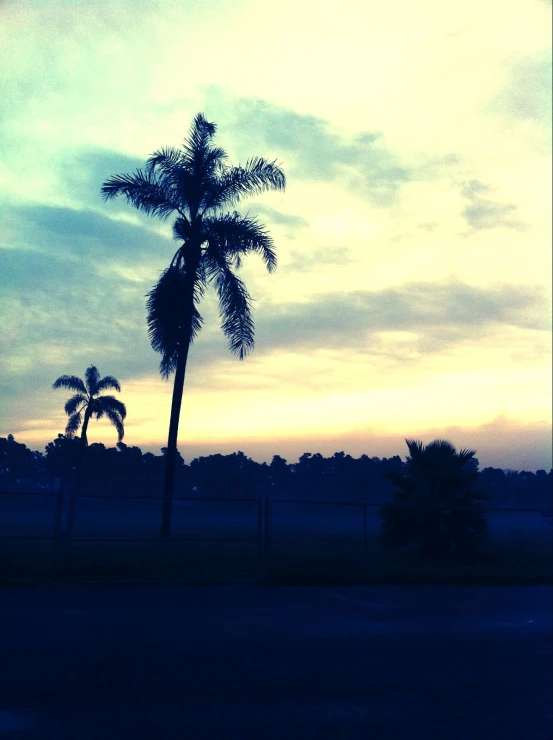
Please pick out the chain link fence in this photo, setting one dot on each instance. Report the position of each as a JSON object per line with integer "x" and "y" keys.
{"x": 48, "y": 536}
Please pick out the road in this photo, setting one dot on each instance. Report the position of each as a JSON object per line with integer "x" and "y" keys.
{"x": 90, "y": 663}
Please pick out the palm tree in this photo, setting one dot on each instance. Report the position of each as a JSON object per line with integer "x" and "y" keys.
{"x": 435, "y": 502}
{"x": 199, "y": 186}
{"x": 87, "y": 399}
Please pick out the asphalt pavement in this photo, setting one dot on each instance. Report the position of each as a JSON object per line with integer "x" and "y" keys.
{"x": 168, "y": 662}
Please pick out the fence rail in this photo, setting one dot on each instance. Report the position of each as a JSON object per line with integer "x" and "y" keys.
{"x": 65, "y": 514}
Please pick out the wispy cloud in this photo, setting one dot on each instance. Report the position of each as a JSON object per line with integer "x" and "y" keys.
{"x": 482, "y": 212}
{"x": 437, "y": 316}
{"x": 526, "y": 95}
{"x": 292, "y": 221}
{"x": 312, "y": 149}
{"x": 82, "y": 172}
{"x": 82, "y": 233}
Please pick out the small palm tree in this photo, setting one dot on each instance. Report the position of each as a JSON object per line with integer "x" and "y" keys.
{"x": 88, "y": 399}
{"x": 87, "y": 403}
{"x": 435, "y": 502}
{"x": 198, "y": 185}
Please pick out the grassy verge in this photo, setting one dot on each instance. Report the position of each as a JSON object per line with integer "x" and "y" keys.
{"x": 332, "y": 560}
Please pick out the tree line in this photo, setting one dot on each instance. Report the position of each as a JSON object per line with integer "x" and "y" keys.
{"x": 125, "y": 470}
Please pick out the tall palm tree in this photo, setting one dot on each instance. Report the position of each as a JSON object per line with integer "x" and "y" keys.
{"x": 87, "y": 399}
{"x": 198, "y": 185}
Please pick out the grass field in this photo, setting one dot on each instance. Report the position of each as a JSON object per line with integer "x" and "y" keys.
{"x": 334, "y": 560}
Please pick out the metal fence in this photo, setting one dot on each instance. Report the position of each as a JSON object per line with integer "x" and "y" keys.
{"x": 269, "y": 529}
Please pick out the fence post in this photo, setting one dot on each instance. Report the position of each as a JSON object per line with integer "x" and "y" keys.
{"x": 365, "y": 537}
{"x": 56, "y": 549}
{"x": 69, "y": 531}
{"x": 260, "y": 548}
{"x": 267, "y": 536}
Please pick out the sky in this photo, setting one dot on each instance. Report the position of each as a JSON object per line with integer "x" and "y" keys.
{"x": 413, "y": 292}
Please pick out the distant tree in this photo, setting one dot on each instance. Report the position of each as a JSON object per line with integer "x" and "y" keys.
{"x": 545, "y": 489}
{"x": 350, "y": 478}
{"x": 493, "y": 482}
{"x": 87, "y": 403}
{"x": 61, "y": 457}
{"x": 197, "y": 183}
{"x": 310, "y": 475}
{"x": 18, "y": 464}
{"x": 234, "y": 475}
{"x": 437, "y": 480}
{"x": 279, "y": 475}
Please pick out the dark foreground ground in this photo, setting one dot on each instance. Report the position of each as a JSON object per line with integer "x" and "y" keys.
{"x": 276, "y": 662}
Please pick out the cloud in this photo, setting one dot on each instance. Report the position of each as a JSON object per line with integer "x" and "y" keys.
{"x": 484, "y": 213}
{"x": 526, "y": 96}
{"x": 74, "y": 293}
{"x": 82, "y": 172}
{"x": 62, "y": 312}
{"x": 58, "y": 312}
{"x": 436, "y": 315}
{"x": 84, "y": 234}
{"x": 292, "y": 221}
{"x": 363, "y": 164}
{"x": 307, "y": 262}
{"x": 311, "y": 148}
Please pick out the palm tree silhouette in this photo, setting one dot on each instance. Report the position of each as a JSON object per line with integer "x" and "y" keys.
{"x": 435, "y": 502}
{"x": 199, "y": 185}
{"x": 87, "y": 399}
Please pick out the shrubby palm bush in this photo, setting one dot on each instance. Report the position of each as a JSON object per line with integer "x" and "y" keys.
{"x": 435, "y": 504}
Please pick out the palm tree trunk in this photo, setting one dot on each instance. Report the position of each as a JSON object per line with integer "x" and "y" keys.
{"x": 171, "y": 454}
{"x": 178, "y": 387}
{"x": 78, "y": 472}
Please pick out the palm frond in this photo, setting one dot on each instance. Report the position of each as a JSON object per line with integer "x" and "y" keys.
{"x": 199, "y": 187}
{"x": 442, "y": 445}
{"x": 176, "y": 177}
{"x": 235, "y": 310}
{"x": 165, "y": 160}
{"x": 144, "y": 191}
{"x": 197, "y": 141}
{"x": 170, "y": 319}
{"x": 70, "y": 381}
{"x": 73, "y": 424}
{"x": 416, "y": 448}
{"x": 210, "y": 171}
{"x": 111, "y": 404}
{"x": 107, "y": 383}
{"x": 234, "y": 236}
{"x": 74, "y": 402}
{"x": 92, "y": 376}
{"x": 117, "y": 422}
{"x": 182, "y": 229}
{"x": 256, "y": 177}
{"x": 464, "y": 456}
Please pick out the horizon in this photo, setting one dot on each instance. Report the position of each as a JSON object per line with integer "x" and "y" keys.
{"x": 264, "y": 452}
{"x": 412, "y": 296}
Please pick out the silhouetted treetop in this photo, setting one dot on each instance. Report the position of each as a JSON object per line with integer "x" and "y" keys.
{"x": 87, "y": 399}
